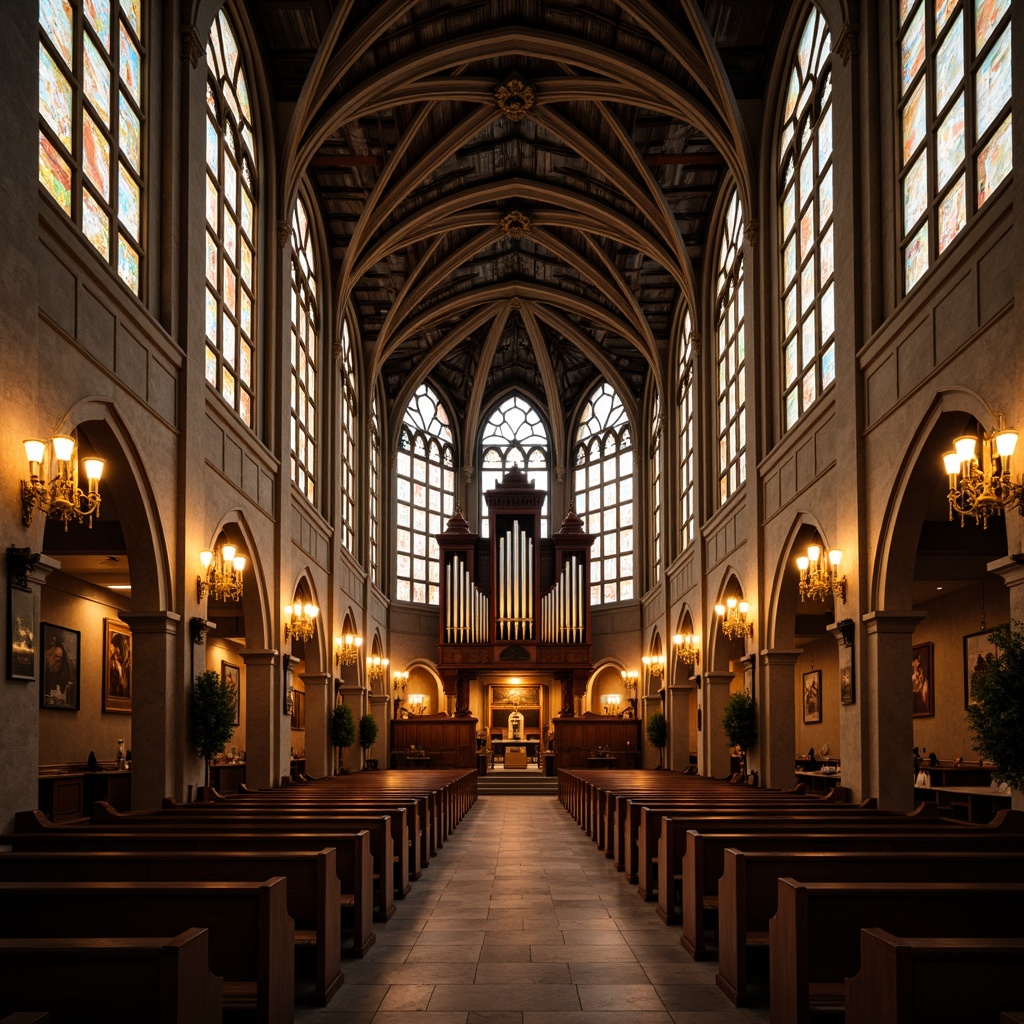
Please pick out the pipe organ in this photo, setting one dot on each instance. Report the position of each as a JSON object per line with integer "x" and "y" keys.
{"x": 515, "y": 600}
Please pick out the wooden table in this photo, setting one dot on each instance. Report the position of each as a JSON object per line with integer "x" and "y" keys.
{"x": 976, "y": 804}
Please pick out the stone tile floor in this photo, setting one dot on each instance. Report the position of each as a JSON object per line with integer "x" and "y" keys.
{"x": 520, "y": 920}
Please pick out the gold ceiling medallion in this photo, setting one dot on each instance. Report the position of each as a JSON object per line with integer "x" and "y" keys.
{"x": 514, "y": 99}
{"x": 515, "y": 224}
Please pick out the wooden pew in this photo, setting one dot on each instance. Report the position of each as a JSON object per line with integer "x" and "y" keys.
{"x": 814, "y": 936}
{"x": 251, "y": 938}
{"x": 353, "y": 859}
{"x": 95, "y": 981}
{"x": 749, "y": 887}
{"x": 314, "y": 892}
{"x": 928, "y": 980}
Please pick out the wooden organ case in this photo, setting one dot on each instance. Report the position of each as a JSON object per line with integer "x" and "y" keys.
{"x": 515, "y": 602}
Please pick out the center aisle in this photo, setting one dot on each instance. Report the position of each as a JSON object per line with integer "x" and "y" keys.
{"x": 520, "y": 920}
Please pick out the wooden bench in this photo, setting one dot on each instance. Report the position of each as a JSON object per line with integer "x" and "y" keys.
{"x": 314, "y": 892}
{"x": 749, "y": 887}
{"x": 95, "y": 981}
{"x": 814, "y": 937}
{"x": 929, "y": 980}
{"x": 251, "y": 936}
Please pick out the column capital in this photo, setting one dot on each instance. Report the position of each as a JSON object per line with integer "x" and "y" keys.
{"x": 1010, "y": 568}
{"x": 892, "y": 622}
{"x": 378, "y": 698}
{"x": 257, "y": 658}
{"x": 710, "y": 678}
{"x": 777, "y": 657}
{"x": 315, "y": 678}
{"x": 152, "y": 622}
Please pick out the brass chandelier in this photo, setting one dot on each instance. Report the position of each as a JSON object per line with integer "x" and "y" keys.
{"x": 222, "y": 573}
{"x": 819, "y": 574}
{"x": 346, "y": 648}
{"x": 733, "y": 615}
{"x": 52, "y": 486}
{"x": 300, "y": 623}
{"x": 985, "y": 490}
{"x": 687, "y": 648}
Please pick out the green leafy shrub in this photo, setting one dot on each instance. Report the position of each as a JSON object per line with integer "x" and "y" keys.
{"x": 739, "y": 720}
{"x": 211, "y": 717}
{"x": 342, "y": 731}
{"x": 657, "y": 734}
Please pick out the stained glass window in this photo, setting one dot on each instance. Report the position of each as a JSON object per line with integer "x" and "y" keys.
{"x": 425, "y": 498}
{"x": 231, "y": 206}
{"x": 603, "y": 493}
{"x": 686, "y": 456}
{"x": 305, "y": 355}
{"x": 730, "y": 353}
{"x": 375, "y": 486}
{"x": 655, "y": 448}
{"x": 954, "y": 117}
{"x": 514, "y": 435}
{"x": 806, "y": 233}
{"x": 91, "y": 68}
{"x": 347, "y": 444}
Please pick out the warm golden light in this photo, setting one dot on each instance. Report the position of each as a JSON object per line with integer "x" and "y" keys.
{"x": 346, "y": 648}
{"x": 52, "y": 484}
{"x": 300, "y": 621}
{"x": 687, "y": 648}
{"x": 819, "y": 577}
{"x": 985, "y": 489}
{"x": 733, "y": 616}
{"x": 221, "y": 577}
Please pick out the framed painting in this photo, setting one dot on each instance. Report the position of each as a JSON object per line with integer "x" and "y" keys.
{"x": 978, "y": 651}
{"x": 21, "y": 635}
{"x": 847, "y": 693}
{"x": 812, "y": 697}
{"x": 60, "y": 671}
{"x": 922, "y": 664}
{"x": 117, "y": 667}
{"x": 232, "y": 676}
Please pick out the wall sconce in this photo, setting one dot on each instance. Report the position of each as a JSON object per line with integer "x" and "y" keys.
{"x": 399, "y": 680}
{"x": 376, "y": 667}
{"x": 687, "y": 648}
{"x": 301, "y": 621}
{"x": 734, "y": 618}
{"x": 988, "y": 490}
{"x": 222, "y": 574}
{"x": 418, "y": 703}
{"x": 346, "y": 649}
{"x": 610, "y": 702}
{"x": 52, "y": 486}
{"x": 655, "y": 664}
{"x": 630, "y": 677}
{"x": 819, "y": 578}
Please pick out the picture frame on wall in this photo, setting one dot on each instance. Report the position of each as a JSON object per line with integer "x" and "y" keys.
{"x": 117, "y": 667}
{"x": 978, "y": 651}
{"x": 60, "y": 670}
{"x": 232, "y": 676}
{"x": 922, "y": 678}
{"x": 812, "y": 697}
{"x": 21, "y": 635}
{"x": 847, "y": 693}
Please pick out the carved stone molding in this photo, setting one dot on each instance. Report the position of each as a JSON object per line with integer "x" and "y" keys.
{"x": 191, "y": 45}
{"x": 750, "y": 232}
{"x": 514, "y": 99}
{"x": 695, "y": 343}
{"x": 847, "y": 44}
{"x": 515, "y": 224}
{"x": 284, "y": 233}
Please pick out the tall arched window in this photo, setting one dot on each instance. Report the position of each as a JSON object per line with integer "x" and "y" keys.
{"x": 686, "y": 457}
{"x": 655, "y": 449}
{"x": 92, "y": 115}
{"x": 514, "y": 434}
{"x": 347, "y": 442}
{"x": 375, "y": 485}
{"x": 603, "y": 493}
{"x": 954, "y": 116}
{"x": 805, "y": 218}
{"x": 730, "y": 347}
{"x": 230, "y": 224}
{"x": 425, "y": 498}
{"x": 305, "y": 355}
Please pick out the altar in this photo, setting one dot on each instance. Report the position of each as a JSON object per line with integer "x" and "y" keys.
{"x": 515, "y": 753}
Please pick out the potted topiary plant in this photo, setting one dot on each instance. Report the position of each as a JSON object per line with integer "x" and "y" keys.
{"x": 211, "y": 718}
{"x": 997, "y": 717}
{"x": 342, "y": 733}
{"x": 367, "y": 736}
{"x": 657, "y": 734}
{"x": 739, "y": 720}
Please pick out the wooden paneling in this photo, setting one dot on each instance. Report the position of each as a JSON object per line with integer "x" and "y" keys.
{"x": 449, "y": 742}
{"x": 576, "y": 739}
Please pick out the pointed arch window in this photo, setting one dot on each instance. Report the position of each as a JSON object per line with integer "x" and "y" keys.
{"x": 686, "y": 456}
{"x": 514, "y": 434}
{"x": 375, "y": 485}
{"x": 603, "y": 493}
{"x": 305, "y": 355}
{"x": 347, "y": 442}
{"x": 731, "y": 357}
{"x": 807, "y": 252}
{"x": 92, "y": 121}
{"x": 231, "y": 224}
{"x": 955, "y": 130}
{"x": 425, "y": 495}
{"x": 655, "y": 449}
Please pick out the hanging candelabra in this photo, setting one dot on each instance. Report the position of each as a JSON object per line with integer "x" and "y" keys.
{"x": 300, "y": 623}
{"x": 985, "y": 490}
{"x": 687, "y": 648}
{"x": 221, "y": 577}
{"x": 819, "y": 574}
{"x": 733, "y": 616}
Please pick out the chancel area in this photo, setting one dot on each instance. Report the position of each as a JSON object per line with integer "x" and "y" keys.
{"x": 479, "y": 388}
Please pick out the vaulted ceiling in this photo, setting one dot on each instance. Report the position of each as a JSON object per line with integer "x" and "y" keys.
{"x": 516, "y": 193}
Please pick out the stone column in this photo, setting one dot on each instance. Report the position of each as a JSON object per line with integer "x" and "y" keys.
{"x": 380, "y": 709}
{"x": 678, "y": 699}
{"x": 318, "y": 704}
{"x": 776, "y": 712}
{"x": 714, "y": 745}
{"x": 159, "y": 712}
{"x": 264, "y": 716}
{"x": 887, "y": 715}
{"x": 355, "y": 697}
